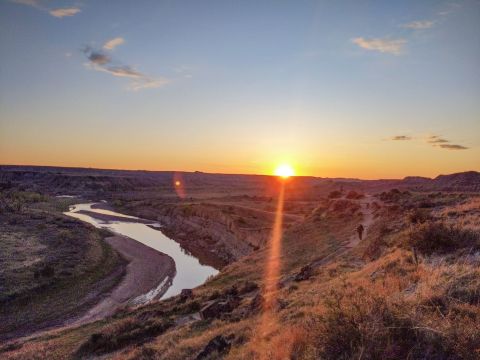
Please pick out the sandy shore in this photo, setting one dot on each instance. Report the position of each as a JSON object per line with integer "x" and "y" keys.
{"x": 147, "y": 268}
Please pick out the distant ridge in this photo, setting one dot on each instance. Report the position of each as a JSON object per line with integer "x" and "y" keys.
{"x": 61, "y": 180}
{"x": 463, "y": 180}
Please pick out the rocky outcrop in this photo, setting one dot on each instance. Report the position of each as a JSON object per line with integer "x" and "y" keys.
{"x": 217, "y": 308}
{"x": 305, "y": 273}
{"x": 212, "y": 228}
{"x": 219, "y": 345}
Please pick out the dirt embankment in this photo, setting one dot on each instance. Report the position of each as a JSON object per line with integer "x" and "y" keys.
{"x": 216, "y": 234}
{"x": 147, "y": 268}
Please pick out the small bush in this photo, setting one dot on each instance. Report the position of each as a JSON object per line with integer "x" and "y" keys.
{"x": 354, "y": 195}
{"x": 359, "y": 323}
{"x": 122, "y": 334}
{"x": 436, "y": 237}
{"x": 334, "y": 194}
{"x": 418, "y": 216}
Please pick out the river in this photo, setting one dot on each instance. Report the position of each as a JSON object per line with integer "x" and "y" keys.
{"x": 190, "y": 272}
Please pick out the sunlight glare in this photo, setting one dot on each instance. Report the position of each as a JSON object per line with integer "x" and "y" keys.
{"x": 284, "y": 171}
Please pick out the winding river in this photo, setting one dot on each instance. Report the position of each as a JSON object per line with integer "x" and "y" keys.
{"x": 190, "y": 272}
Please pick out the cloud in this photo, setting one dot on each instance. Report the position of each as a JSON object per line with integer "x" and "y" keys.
{"x": 123, "y": 71}
{"x": 385, "y": 45}
{"x": 60, "y": 13}
{"x": 453, "y": 147}
{"x": 434, "y": 139}
{"x": 440, "y": 142}
{"x": 184, "y": 71}
{"x": 148, "y": 84}
{"x": 100, "y": 61}
{"x": 419, "y": 25}
{"x": 97, "y": 57}
{"x": 33, "y": 3}
{"x": 113, "y": 43}
{"x": 401, "y": 137}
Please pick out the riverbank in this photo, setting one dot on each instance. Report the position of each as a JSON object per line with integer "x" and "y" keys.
{"x": 189, "y": 270}
{"x": 147, "y": 269}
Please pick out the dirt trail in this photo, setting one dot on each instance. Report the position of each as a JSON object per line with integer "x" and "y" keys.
{"x": 368, "y": 220}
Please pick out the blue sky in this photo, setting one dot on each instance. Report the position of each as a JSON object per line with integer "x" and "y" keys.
{"x": 235, "y": 86}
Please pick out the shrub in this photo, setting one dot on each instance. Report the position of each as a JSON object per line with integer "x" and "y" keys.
{"x": 418, "y": 216}
{"x": 122, "y": 334}
{"x": 436, "y": 237}
{"x": 334, "y": 194}
{"x": 354, "y": 195}
{"x": 359, "y": 323}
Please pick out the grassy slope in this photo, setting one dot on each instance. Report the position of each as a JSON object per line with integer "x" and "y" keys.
{"x": 377, "y": 300}
{"x": 49, "y": 263}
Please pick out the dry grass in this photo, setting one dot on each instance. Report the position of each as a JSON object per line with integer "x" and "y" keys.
{"x": 374, "y": 302}
{"x": 437, "y": 237}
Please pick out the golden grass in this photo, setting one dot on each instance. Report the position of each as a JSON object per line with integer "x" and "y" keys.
{"x": 387, "y": 307}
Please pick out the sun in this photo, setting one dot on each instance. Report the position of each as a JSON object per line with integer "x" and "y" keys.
{"x": 284, "y": 171}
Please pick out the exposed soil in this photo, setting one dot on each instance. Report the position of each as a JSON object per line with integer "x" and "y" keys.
{"x": 146, "y": 269}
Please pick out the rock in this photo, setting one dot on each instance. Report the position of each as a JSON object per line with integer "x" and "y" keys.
{"x": 305, "y": 273}
{"x": 186, "y": 294}
{"x": 215, "y": 308}
{"x": 217, "y": 346}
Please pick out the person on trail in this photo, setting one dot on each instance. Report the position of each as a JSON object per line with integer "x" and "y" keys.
{"x": 360, "y": 229}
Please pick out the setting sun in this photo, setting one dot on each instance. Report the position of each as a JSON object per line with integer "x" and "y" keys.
{"x": 284, "y": 171}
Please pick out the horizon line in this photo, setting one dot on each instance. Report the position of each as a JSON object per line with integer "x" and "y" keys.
{"x": 230, "y": 174}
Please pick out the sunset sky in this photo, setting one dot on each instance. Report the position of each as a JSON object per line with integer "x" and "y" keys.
{"x": 363, "y": 89}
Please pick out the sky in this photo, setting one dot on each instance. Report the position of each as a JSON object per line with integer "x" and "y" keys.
{"x": 366, "y": 89}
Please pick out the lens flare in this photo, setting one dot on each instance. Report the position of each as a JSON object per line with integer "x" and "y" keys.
{"x": 284, "y": 171}
{"x": 268, "y": 322}
{"x": 179, "y": 185}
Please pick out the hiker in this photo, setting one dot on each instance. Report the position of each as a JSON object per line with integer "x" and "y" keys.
{"x": 360, "y": 229}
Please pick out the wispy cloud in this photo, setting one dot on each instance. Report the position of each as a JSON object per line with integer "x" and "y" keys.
{"x": 58, "y": 13}
{"x": 383, "y": 45}
{"x": 400, "y": 137}
{"x": 443, "y": 143}
{"x": 419, "y": 25}
{"x": 99, "y": 60}
{"x": 33, "y": 3}
{"x": 453, "y": 147}
{"x": 113, "y": 43}
{"x": 125, "y": 71}
{"x": 434, "y": 139}
{"x": 147, "y": 83}
{"x": 184, "y": 70}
